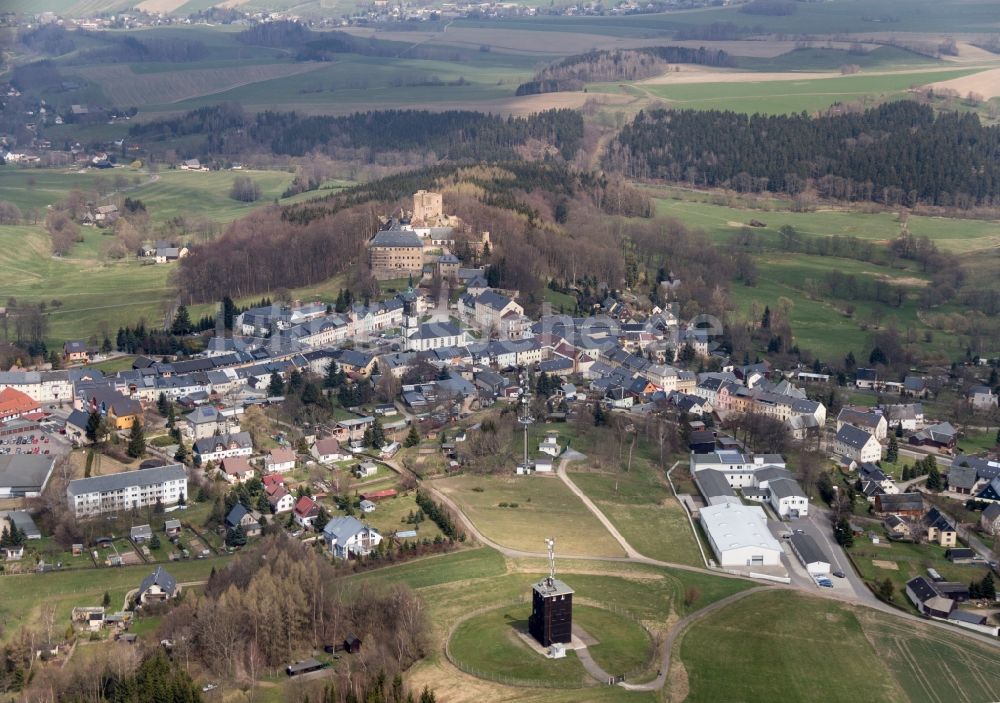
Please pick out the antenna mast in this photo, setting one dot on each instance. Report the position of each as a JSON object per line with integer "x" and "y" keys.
{"x": 550, "y": 544}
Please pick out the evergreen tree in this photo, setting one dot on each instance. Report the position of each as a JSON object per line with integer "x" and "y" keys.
{"x": 275, "y": 387}
{"x": 412, "y": 437}
{"x": 136, "y": 440}
{"x": 228, "y": 312}
{"x": 106, "y": 601}
{"x": 95, "y": 427}
{"x": 334, "y": 376}
{"x": 599, "y": 416}
{"x": 154, "y": 542}
{"x": 378, "y": 434}
{"x": 182, "y": 322}
{"x": 842, "y": 533}
{"x": 892, "y": 452}
{"x": 322, "y": 518}
{"x": 162, "y": 406}
{"x": 849, "y": 362}
{"x": 987, "y": 588}
{"x": 934, "y": 482}
{"x": 311, "y": 394}
{"x": 765, "y": 320}
{"x": 899, "y": 429}
{"x": 236, "y": 536}
{"x": 295, "y": 381}
{"x": 877, "y": 356}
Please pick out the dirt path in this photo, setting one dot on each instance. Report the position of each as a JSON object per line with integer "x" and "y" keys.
{"x": 661, "y": 678}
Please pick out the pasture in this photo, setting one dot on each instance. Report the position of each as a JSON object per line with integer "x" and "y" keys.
{"x": 545, "y": 507}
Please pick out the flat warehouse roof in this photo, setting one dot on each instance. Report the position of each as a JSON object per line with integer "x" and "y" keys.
{"x": 25, "y": 472}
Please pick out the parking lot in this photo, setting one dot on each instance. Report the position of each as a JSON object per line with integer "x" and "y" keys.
{"x": 28, "y": 443}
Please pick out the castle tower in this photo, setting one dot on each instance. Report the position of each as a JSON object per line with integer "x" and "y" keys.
{"x": 428, "y": 207}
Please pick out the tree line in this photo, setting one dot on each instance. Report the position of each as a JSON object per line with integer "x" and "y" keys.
{"x": 455, "y": 135}
{"x": 617, "y": 65}
{"x": 878, "y": 155}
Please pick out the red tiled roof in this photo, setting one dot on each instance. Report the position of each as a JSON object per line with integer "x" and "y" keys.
{"x": 234, "y": 465}
{"x": 14, "y": 402}
{"x": 378, "y": 495}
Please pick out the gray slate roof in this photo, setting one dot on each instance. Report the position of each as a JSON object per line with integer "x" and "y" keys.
{"x": 160, "y": 578}
{"x": 126, "y": 479}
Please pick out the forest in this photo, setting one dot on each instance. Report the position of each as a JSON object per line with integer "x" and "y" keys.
{"x": 453, "y": 135}
{"x": 618, "y": 65}
{"x": 899, "y": 153}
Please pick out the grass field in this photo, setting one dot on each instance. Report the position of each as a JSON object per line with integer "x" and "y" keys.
{"x": 24, "y": 596}
{"x": 932, "y": 665}
{"x": 778, "y": 97}
{"x": 791, "y": 635}
{"x": 489, "y": 643}
{"x": 723, "y": 222}
{"x": 546, "y": 508}
{"x": 824, "y": 59}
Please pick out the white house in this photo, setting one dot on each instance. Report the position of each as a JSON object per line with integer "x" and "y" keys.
{"x": 279, "y": 460}
{"x": 327, "y": 451}
{"x": 348, "y": 537}
{"x": 787, "y": 498}
{"x": 158, "y": 586}
{"x": 739, "y": 536}
{"x": 236, "y": 469}
{"x": 222, "y": 446}
{"x": 857, "y": 444}
{"x": 280, "y": 499}
{"x": 305, "y": 512}
{"x": 871, "y": 421}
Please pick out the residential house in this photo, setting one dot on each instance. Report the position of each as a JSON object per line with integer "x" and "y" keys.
{"x": 866, "y": 379}
{"x": 158, "y": 586}
{"x": 120, "y": 410}
{"x": 279, "y": 460}
{"x": 222, "y": 446}
{"x": 280, "y": 499}
{"x": 939, "y": 528}
{"x": 872, "y": 421}
{"x": 205, "y": 421}
{"x": 990, "y": 493}
{"x": 910, "y": 417}
{"x": 75, "y": 352}
{"x": 327, "y": 451}
{"x": 348, "y": 537}
{"x": 962, "y": 478}
{"x": 897, "y": 528}
{"x": 550, "y": 445}
{"x": 366, "y": 506}
{"x": 305, "y": 512}
{"x": 249, "y": 520}
{"x": 857, "y": 444}
{"x": 981, "y": 398}
{"x": 989, "y": 521}
{"x": 236, "y": 469}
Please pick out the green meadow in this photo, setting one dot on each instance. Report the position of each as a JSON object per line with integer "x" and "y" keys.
{"x": 779, "y": 97}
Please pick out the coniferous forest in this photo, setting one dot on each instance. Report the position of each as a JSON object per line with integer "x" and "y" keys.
{"x": 899, "y": 153}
